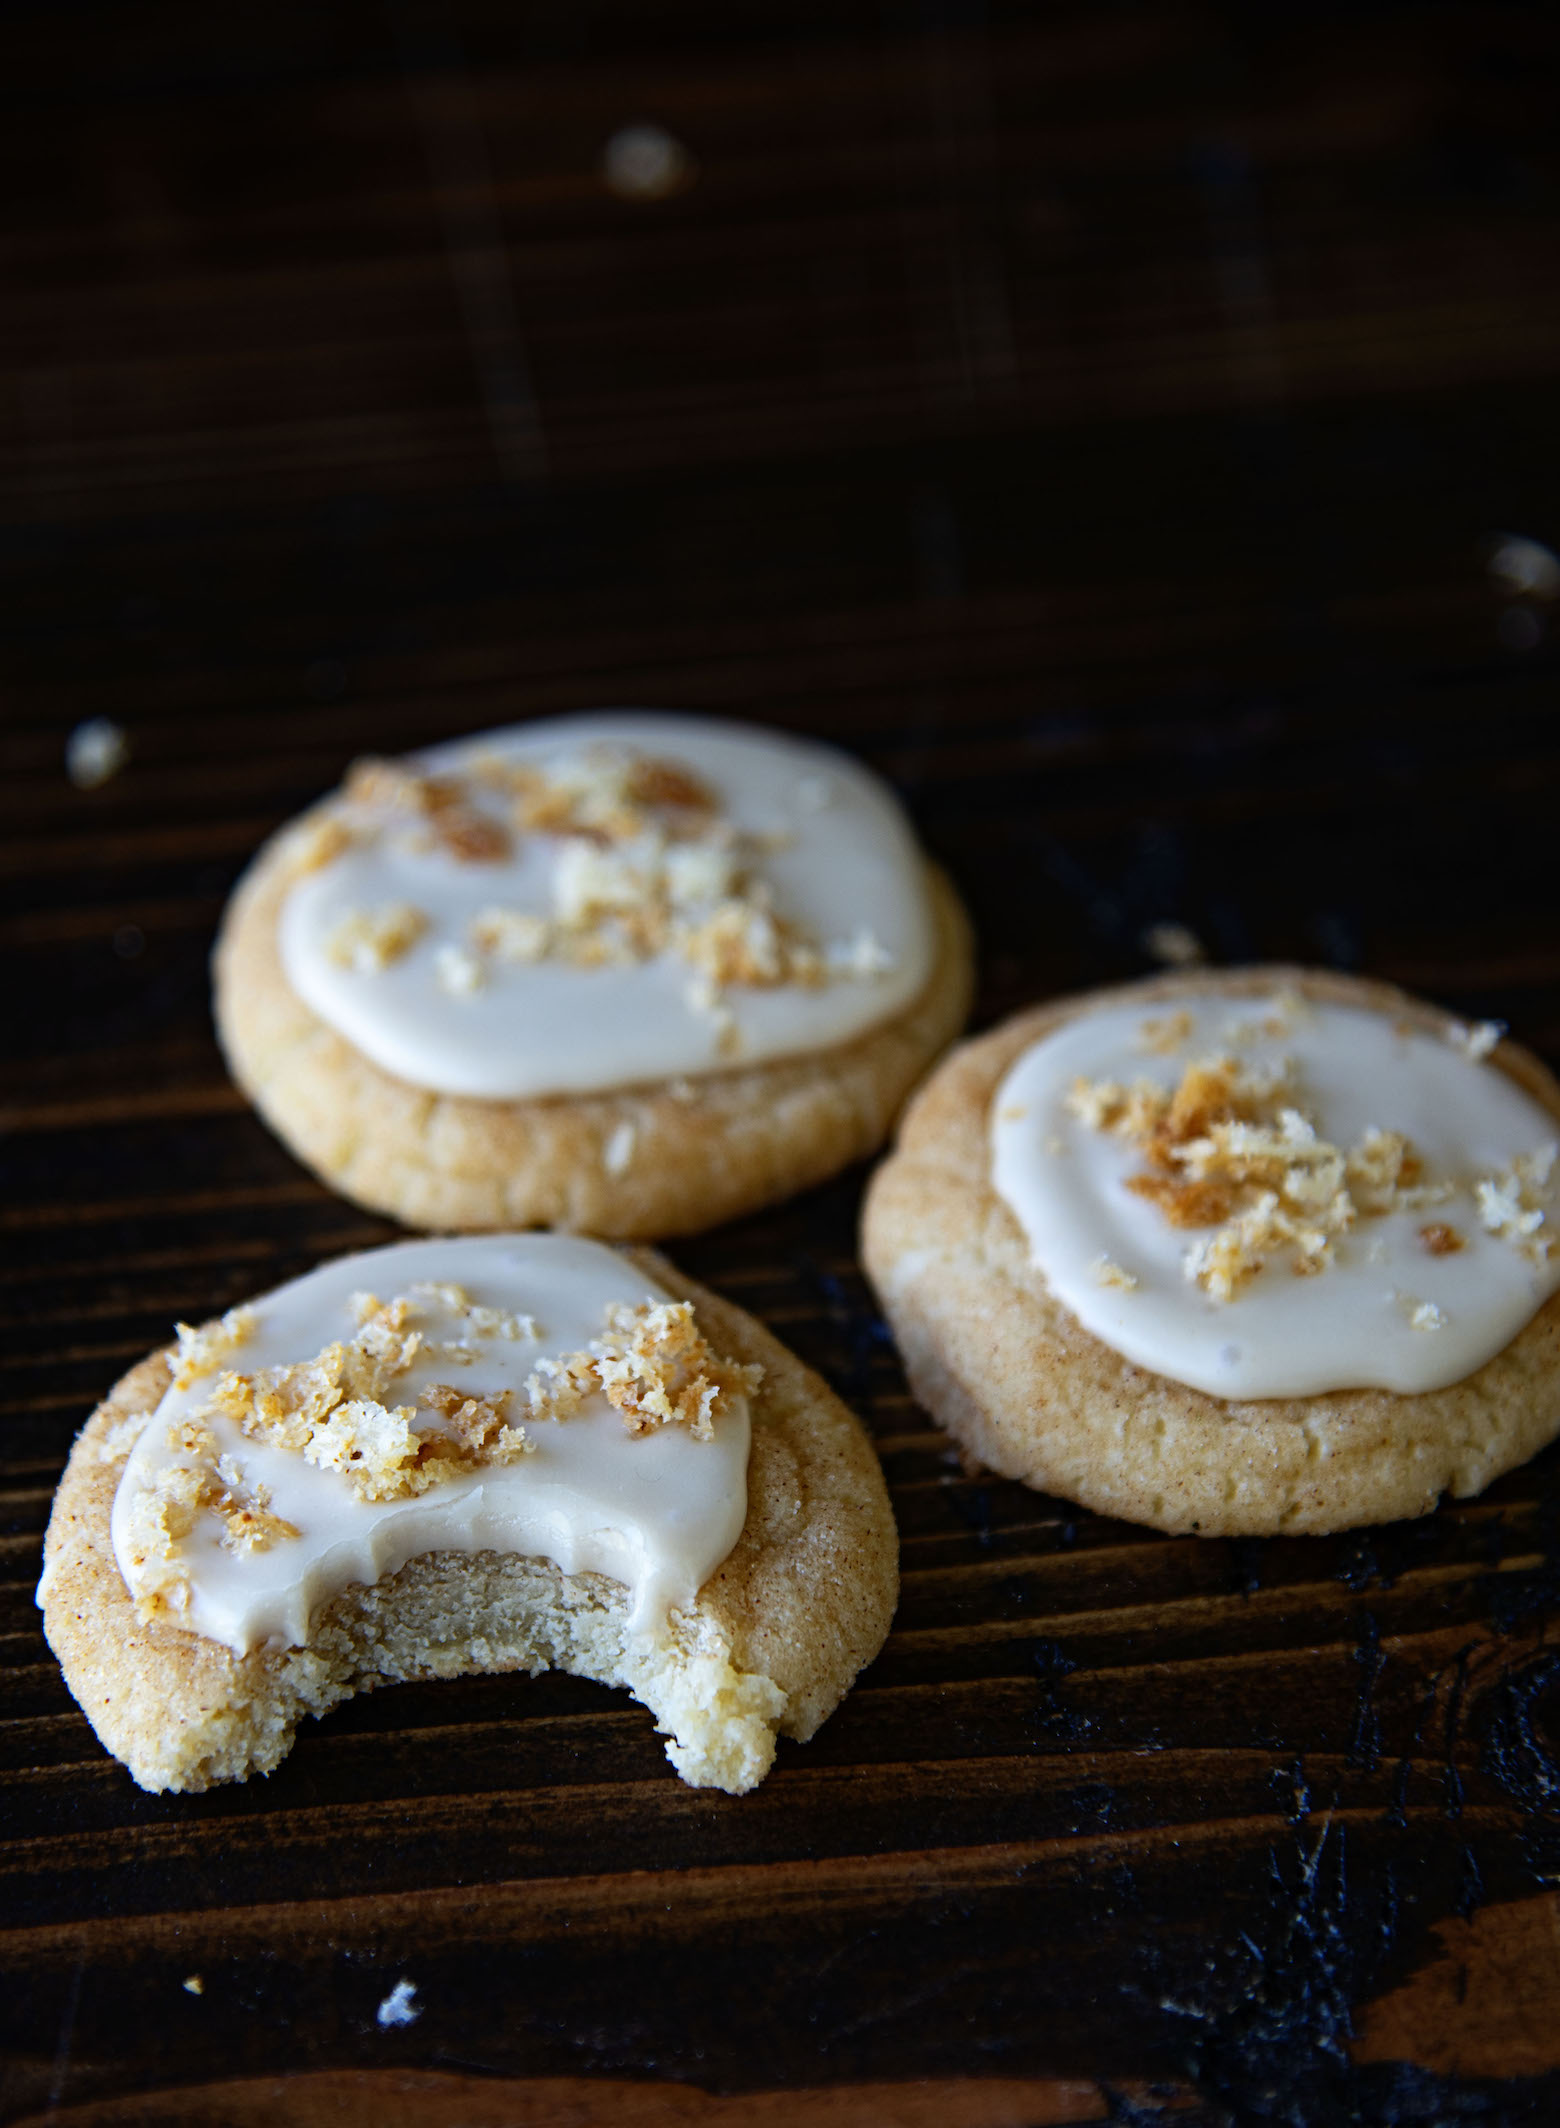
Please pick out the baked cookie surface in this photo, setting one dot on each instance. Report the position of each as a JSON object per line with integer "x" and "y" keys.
{"x": 1016, "y": 1377}
{"x": 457, "y": 1046}
{"x": 770, "y": 1642}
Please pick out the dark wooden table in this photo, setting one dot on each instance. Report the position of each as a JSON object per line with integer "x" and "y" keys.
{"x": 1103, "y": 418}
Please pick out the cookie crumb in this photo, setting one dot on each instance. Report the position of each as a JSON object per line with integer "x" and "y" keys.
{"x": 653, "y": 1364}
{"x": 1476, "y": 1041}
{"x": 95, "y": 752}
{"x": 511, "y": 934}
{"x": 1226, "y": 1149}
{"x": 646, "y": 865}
{"x": 645, "y": 162}
{"x": 459, "y": 972}
{"x": 1511, "y": 1202}
{"x": 400, "y": 2006}
{"x": 1422, "y": 1314}
{"x": 1525, "y": 566}
{"x": 1440, "y": 1239}
{"x": 1176, "y": 945}
{"x": 1108, "y": 1273}
{"x": 368, "y": 940}
{"x": 319, "y": 842}
{"x": 200, "y": 1350}
{"x": 863, "y": 957}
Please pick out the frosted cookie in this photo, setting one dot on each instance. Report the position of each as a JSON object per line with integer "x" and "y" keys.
{"x": 513, "y": 1452}
{"x": 629, "y": 974}
{"x": 1238, "y": 1253}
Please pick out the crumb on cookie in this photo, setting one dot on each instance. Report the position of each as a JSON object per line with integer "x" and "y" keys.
{"x": 653, "y": 1365}
{"x": 1109, "y": 1273}
{"x": 1226, "y": 1148}
{"x": 164, "y": 1511}
{"x": 459, "y": 972}
{"x": 1511, "y": 1202}
{"x": 1478, "y": 1040}
{"x": 646, "y": 865}
{"x": 200, "y": 1350}
{"x": 368, "y": 940}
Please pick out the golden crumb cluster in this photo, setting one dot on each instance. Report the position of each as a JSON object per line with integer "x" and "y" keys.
{"x": 1227, "y": 1149}
{"x": 653, "y": 1365}
{"x": 368, "y": 940}
{"x": 646, "y": 865}
{"x": 339, "y": 1409}
{"x": 441, "y": 804}
{"x": 1511, "y": 1203}
{"x": 162, "y": 1514}
{"x": 201, "y": 1350}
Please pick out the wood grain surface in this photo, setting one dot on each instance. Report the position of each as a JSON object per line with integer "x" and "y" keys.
{"x": 1104, "y": 419}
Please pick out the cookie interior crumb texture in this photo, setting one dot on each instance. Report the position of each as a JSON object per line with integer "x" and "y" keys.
{"x": 1011, "y": 1370}
{"x": 493, "y": 991}
{"x": 770, "y": 1644}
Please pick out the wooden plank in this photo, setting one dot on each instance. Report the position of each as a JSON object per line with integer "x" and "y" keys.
{"x": 1098, "y": 419}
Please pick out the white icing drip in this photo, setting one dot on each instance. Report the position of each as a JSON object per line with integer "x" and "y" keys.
{"x": 1387, "y": 1313}
{"x": 846, "y": 870}
{"x": 657, "y": 1511}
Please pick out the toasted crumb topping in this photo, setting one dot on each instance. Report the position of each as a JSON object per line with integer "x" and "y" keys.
{"x": 202, "y": 1350}
{"x": 368, "y": 940}
{"x": 1476, "y": 1041}
{"x": 511, "y": 934}
{"x": 122, "y": 1436}
{"x": 163, "y": 1513}
{"x": 336, "y": 1410}
{"x": 1108, "y": 1273}
{"x": 653, "y": 1365}
{"x": 1422, "y": 1314}
{"x": 318, "y": 842}
{"x": 1511, "y": 1203}
{"x": 1440, "y": 1239}
{"x": 1227, "y": 1149}
{"x": 459, "y": 972}
{"x": 440, "y": 803}
{"x": 646, "y": 865}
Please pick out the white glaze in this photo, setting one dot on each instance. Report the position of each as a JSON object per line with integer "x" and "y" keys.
{"x": 1281, "y": 1335}
{"x": 656, "y": 1511}
{"x": 849, "y": 867}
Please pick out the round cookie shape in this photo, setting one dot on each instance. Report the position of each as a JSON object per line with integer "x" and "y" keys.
{"x": 798, "y": 1598}
{"x": 626, "y": 974}
{"x": 1000, "y": 1358}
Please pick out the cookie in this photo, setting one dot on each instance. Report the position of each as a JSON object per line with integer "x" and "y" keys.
{"x": 500, "y": 1453}
{"x": 629, "y": 975}
{"x": 1238, "y": 1253}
